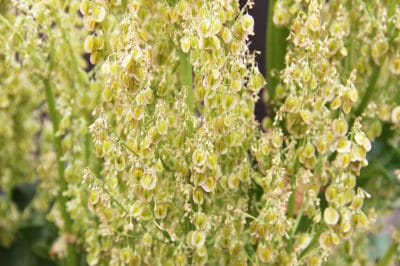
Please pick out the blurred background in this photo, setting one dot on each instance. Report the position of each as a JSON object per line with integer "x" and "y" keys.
{"x": 258, "y": 43}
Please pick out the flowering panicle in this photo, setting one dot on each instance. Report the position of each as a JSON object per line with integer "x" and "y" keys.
{"x": 174, "y": 128}
{"x": 325, "y": 87}
{"x": 158, "y": 157}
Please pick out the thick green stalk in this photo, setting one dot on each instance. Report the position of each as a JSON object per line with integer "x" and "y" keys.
{"x": 368, "y": 93}
{"x": 62, "y": 201}
{"x": 275, "y": 51}
{"x": 186, "y": 79}
{"x": 385, "y": 260}
{"x": 371, "y": 88}
{"x": 390, "y": 252}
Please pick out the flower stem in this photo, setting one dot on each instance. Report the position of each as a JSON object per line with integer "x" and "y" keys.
{"x": 292, "y": 198}
{"x": 62, "y": 201}
{"x": 385, "y": 260}
{"x": 276, "y": 50}
{"x": 387, "y": 257}
{"x": 186, "y": 80}
{"x": 368, "y": 94}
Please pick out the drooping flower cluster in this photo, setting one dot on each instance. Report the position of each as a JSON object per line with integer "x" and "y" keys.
{"x": 361, "y": 36}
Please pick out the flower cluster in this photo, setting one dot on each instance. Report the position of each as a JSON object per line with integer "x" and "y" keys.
{"x": 327, "y": 86}
{"x": 182, "y": 129}
{"x": 175, "y": 128}
{"x": 151, "y": 147}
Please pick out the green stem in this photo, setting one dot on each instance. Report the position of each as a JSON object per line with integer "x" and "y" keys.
{"x": 390, "y": 252}
{"x": 385, "y": 260}
{"x": 87, "y": 149}
{"x": 313, "y": 243}
{"x": 71, "y": 259}
{"x": 294, "y": 229}
{"x": 368, "y": 94}
{"x": 275, "y": 50}
{"x": 292, "y": 198}
{"x": 186, "y": 80}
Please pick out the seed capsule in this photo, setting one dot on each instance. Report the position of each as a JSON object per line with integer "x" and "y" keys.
{"x": 357, "y": 203}
{"x": 136, "y": 209}
{"x": 330, "y": 193}
{"x": 265, "y": 253}
{"x": 84, "y": 7}
{"x": 335, "y": 103}
{"x": 148, "y": 180}
{"x": 185, "y": 44}
{"x": 108, "y": 94}
{"x": 198, "y": 239}
{"x": 199, "y": 158}
{"x": 339, "y": 127}
{"x": 120, "y": 163}
{"x": 126, "y": 255}
{"x": 94, "y": 197}
{"x": 314, "y": 22}
{"x": 99, "y": 14}
{"x": 89, "y": 23}
{"x": 394, "y": 66}
{"x": 302, "y": 242}
{"x": 209, "y": 184}
{"x": 181, "y": 259}
{"x": 162, "y": 127}
{"x": 292, "y": 104}
{"x": 233, "y": 182}
{"x": 359, "y": 220}
{"x": 160, "y": 211}
{"x": 396, "y": 115}
{"x": 204, "y": 28}
{"x": 198, "y": 196}
{"x": 325, "y": 240}
{"x": 247, "y": 24}
{"x": 90, "y": 44}
{"x": 200, "y": 220}
{"x": 226, "y": 35}
{"x": 343, "y": 145}
{"x": 331, "y": 216}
